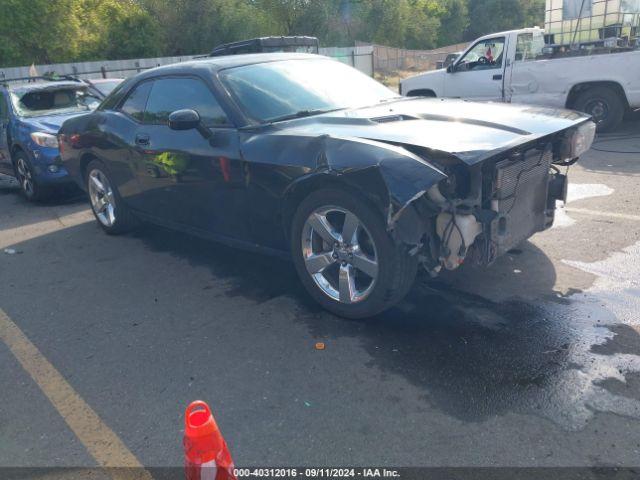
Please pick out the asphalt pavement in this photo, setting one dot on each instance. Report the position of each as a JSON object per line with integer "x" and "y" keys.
{"x": 532, "y": 362}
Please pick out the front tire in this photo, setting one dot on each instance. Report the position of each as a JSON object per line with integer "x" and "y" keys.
{"x": 111, "y": 212}
{"x": 345, "y": 257}
{"x": 30, "y": 188}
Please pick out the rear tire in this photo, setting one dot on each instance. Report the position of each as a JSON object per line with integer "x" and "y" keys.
{"x": 110, "y": 210}
{"x": 604, "y": 105}
{"x": 395, "y": 269}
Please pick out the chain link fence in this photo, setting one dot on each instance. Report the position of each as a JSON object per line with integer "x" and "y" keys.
{"x": 388, "y": 59}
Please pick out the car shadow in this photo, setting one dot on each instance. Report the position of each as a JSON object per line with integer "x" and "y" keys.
{"x": 616, "y": 152}
{"x": 254, "y": 276}
{"x": 21, "y": 213}
{"x": 472, "y": 357}
{"x": 448, "y": 345}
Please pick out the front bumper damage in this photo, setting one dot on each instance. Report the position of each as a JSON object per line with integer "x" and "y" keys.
{"x": 510, "y": 193}
{"x": 517, "y": 199}
{"x": 511, "y": 196}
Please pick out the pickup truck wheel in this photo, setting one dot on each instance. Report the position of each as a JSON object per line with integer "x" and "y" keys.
{"x": 345, "y": 257}
{"x": 604, "y": 105}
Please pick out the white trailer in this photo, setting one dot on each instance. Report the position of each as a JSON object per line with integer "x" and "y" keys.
{"x": 513, "y": 67}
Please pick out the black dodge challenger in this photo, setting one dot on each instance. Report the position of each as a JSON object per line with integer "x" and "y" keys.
{"x": 301, "y": 155}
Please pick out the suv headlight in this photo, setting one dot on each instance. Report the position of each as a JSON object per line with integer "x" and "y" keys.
{"x": 45, "y": 139}
{"x": 578, "y": 141}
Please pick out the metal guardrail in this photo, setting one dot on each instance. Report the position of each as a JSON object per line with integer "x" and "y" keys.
{"x": 357, "y": 57}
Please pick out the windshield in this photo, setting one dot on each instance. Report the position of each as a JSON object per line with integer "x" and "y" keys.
{"x": 36, "y": 103}
{"x": 277, "y": 90}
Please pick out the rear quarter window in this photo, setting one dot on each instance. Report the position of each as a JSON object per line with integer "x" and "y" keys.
{"x": 136, "y": 101}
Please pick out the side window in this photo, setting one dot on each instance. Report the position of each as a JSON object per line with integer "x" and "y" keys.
{"x": 136, "y": 101}
{"x": 484, "y": 55}
{"x": 529, "y": 47}
{"x": 171, "y": 94}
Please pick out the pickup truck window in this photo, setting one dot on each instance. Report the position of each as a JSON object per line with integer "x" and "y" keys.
{"x": 528, "y": 47}
{"x": 484, "y": 55}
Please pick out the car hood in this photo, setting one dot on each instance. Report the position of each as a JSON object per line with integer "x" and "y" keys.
{"x": 470, "y": 131}
{"x": 49, "y": 123}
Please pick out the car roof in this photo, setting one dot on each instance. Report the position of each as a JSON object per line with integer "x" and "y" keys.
{"x": 104, "y": 80}
{"x": 215, "y": 64}
{"x": 508, "y": 32}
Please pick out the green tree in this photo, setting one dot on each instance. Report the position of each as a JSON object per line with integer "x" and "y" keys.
{"x": 196, "y": 26}
{"x": 401, "y": 23}
{"x": 454, "y": 20}
{"x": 50, "y": 31}
{"x": 487, "y": 16}
{"x": 132, "y": 34}
{"x": 39, "y": 31}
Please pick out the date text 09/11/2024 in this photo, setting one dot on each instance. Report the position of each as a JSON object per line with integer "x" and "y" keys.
{"x": 316, "y": 473}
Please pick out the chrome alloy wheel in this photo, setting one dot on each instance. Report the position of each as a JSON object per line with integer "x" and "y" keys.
{"x": 25, "y": 177}
{"x": 339, "y": 254}
{"x": 102, "y": 198}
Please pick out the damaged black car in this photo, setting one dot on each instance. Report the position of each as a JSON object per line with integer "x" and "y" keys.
{"x": 300, "y": 155}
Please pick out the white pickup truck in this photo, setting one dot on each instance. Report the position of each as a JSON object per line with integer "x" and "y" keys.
{"x": 512, "y": 67}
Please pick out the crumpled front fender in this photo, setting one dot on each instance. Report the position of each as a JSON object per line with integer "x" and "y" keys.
{"x": 392, "y": 175}
{"x": 389, "y": 175}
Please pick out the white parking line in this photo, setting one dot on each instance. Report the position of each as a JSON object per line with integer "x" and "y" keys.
{"x": 100, "y": 441}
{"x": 598, "y": 213}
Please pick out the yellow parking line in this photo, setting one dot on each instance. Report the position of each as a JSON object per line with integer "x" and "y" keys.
{"x": 622, "y": 216}
{"x": 99, "y": 440}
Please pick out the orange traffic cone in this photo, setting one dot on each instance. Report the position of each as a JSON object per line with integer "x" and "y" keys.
{"x": 206, "y": 456}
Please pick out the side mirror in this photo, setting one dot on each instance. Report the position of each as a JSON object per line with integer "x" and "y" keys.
{"x": 450, "y": 68}
{"x": 184, "y": 120}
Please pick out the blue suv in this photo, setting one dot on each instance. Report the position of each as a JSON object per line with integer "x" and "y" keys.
{"x": 30, "y": 116}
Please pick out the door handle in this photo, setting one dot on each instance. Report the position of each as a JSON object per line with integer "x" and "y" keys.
{"x": 142, "y": 139}
{"x": 498, "y": 76}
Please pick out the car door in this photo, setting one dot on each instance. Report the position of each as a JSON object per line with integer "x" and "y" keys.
{"x": 479, "y": 73}
{"x": 185, "y": 178}
{"x": 522, "y": 78}
{"x": 5, "y": 157}
{"x": 114, "y": 141}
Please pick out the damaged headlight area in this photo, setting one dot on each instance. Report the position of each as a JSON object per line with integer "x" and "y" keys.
{"x": 577, "y": 141}
{"x": 506, "y": 200}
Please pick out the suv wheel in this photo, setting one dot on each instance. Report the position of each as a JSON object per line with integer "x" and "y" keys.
{"x": 344, "y": 256}
{"x": 31, "y": 190}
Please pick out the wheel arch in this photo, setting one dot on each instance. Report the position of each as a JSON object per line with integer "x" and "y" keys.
{"x": 15, "y": 149}
{"x": 85, "y": 159}
{"x": 305, "y": 186}
{"x": 579, "y": 88}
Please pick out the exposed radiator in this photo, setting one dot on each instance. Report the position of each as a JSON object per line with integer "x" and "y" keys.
{"x": 520, "y": 197}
